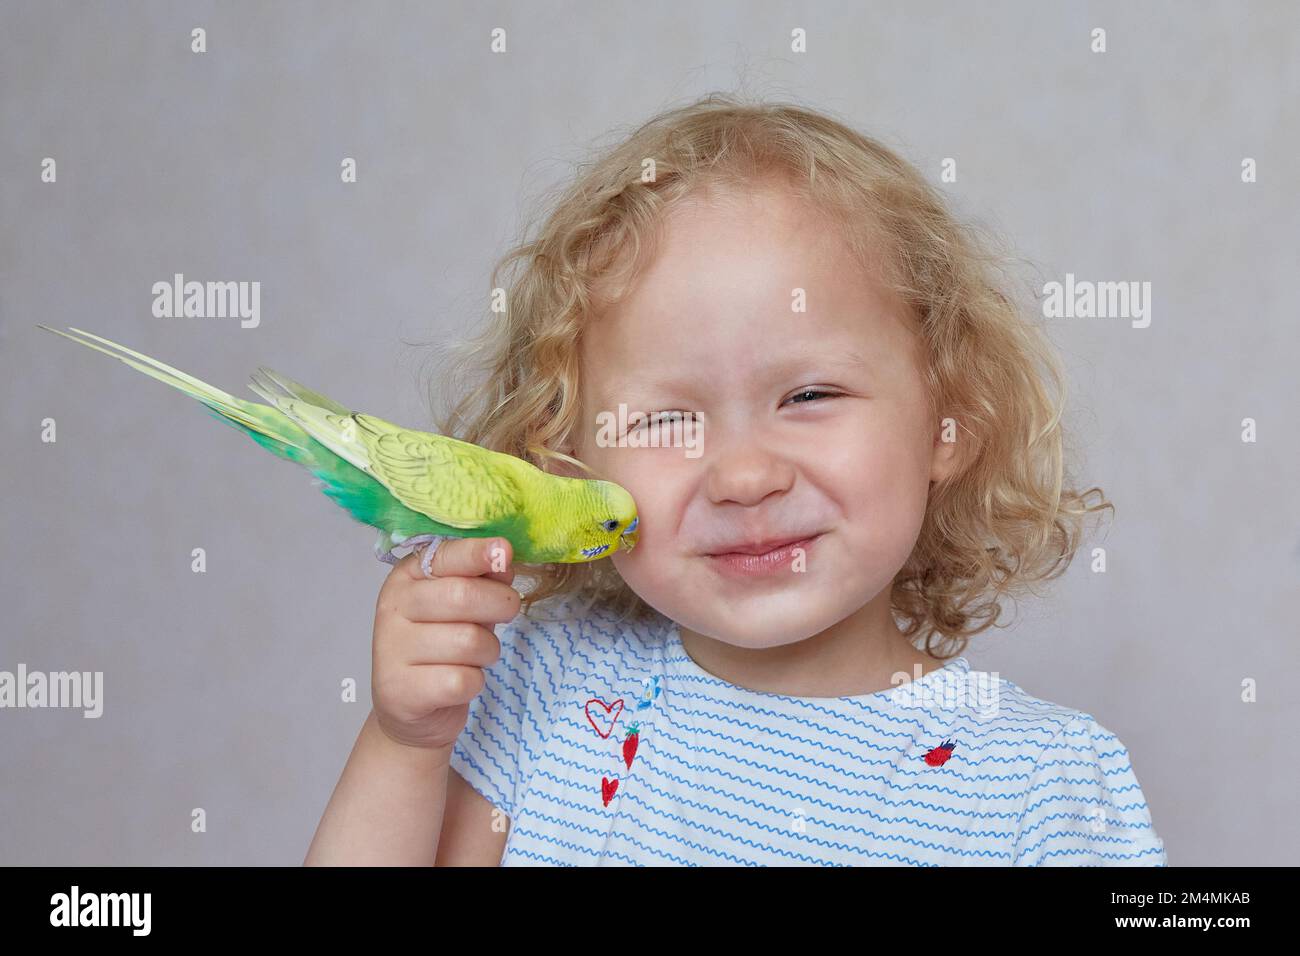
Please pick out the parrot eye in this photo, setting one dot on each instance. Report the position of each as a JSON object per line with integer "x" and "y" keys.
{"x": 609, "y": 525}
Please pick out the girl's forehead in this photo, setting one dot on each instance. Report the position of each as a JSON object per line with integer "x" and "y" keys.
{"x": 735, "y": 323}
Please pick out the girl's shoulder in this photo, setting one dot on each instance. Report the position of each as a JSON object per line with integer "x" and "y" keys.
{"x": 1082, "y": 803}
{"x": 994, "y": 703}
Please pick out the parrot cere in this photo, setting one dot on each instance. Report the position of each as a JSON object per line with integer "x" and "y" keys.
{"x": 415, "y": 487}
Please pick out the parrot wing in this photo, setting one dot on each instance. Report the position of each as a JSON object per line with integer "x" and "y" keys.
{"x": 453, "y": 482}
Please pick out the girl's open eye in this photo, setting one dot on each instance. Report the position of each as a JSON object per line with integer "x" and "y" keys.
{"x": 810, "y": 391}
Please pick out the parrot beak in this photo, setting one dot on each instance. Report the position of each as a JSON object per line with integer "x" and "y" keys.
{"x": 628, "y": 538}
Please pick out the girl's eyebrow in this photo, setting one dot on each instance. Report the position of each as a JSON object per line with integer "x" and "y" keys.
{"x": 851, "y": 357}
{"x": 633, "y": 383}
{"x": 845, "y": 359}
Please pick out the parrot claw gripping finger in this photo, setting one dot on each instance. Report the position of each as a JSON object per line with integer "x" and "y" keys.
{"x": 388, "y": 543}
{"x": 430, "y": 544}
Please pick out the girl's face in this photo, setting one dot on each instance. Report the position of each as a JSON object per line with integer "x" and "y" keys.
{"x": 809, "y": 424}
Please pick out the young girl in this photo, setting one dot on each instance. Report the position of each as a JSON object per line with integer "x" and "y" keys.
{"x": 844, "y": 453}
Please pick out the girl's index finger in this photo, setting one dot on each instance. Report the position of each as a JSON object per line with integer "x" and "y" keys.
{"x": 466, "y": 558}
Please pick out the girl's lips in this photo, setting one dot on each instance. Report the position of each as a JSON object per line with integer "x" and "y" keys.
{"x": 751, "y": 565}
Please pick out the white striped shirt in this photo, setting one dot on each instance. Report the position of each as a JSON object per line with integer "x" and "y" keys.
{"x": 606, "y": 744}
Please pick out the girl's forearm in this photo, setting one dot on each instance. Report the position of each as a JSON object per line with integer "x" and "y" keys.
{"x": 387, "y": 807}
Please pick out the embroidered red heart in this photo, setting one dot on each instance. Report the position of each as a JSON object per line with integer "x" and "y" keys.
{"x": 607, "y": 789}
{"x": 608, "y": 709}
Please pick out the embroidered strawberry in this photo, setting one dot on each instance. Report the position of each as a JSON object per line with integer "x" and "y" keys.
{"x": 607, "y": 789}
{"x": 940, "y": 754}
{"x": 629, "y": 744}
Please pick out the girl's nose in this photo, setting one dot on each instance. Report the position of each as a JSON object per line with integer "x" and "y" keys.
{"x": 746, "y": 472}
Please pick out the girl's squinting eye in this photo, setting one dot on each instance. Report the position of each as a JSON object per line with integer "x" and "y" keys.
{"x": 661, "y": 419}
{"x": 664, "y": 418}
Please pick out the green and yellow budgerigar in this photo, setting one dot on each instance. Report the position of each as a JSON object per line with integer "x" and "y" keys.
{"x": 415, "y": 487}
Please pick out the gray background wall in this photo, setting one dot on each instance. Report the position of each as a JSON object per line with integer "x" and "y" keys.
{"x": 222, "y": 689}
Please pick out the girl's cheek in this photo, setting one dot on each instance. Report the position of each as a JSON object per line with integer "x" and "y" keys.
{"x": 653, "y": 485}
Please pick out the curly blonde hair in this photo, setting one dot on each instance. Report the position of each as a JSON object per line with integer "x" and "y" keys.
{"x": 1004, "y": 520}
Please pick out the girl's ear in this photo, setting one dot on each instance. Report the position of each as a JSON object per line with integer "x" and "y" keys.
{"x": 945, "y": 458}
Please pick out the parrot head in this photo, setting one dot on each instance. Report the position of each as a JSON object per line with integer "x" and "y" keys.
{"x": 612, "y": 524}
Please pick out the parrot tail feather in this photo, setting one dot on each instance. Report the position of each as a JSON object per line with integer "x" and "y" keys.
{"x": 260, "y": 421}
{"x": 360, "y": 494}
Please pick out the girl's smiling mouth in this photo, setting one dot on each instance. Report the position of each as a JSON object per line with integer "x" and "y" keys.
{"x": 759, "y": 558}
